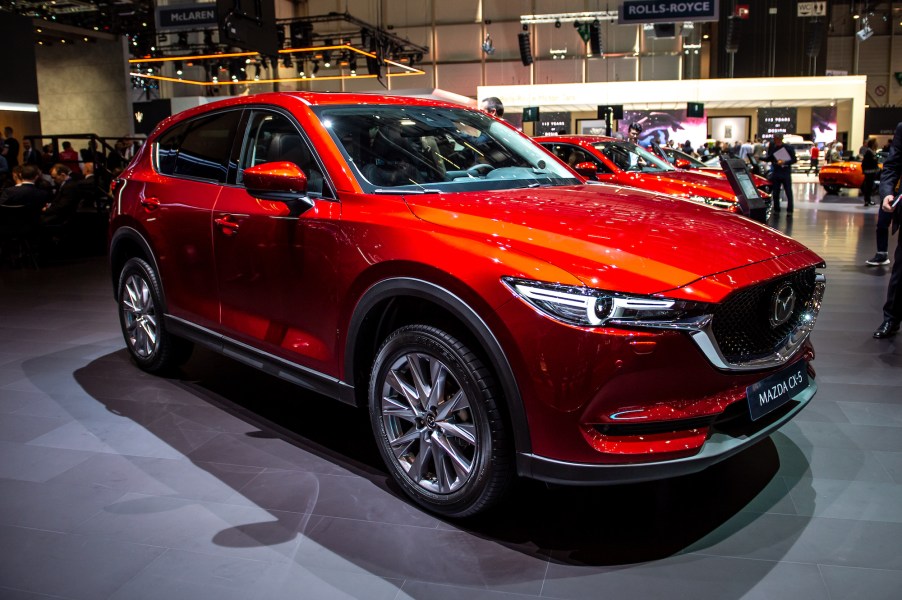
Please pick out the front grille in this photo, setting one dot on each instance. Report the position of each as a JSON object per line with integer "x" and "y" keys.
{"x": 741, "y": 323}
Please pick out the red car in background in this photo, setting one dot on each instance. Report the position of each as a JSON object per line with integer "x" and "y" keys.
{"x": 681, "y": 160}
{"x": 496, "y": 315}
{"x": 611, "y": 160}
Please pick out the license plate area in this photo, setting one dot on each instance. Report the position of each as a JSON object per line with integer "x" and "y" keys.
{"x": 773, "y": 392}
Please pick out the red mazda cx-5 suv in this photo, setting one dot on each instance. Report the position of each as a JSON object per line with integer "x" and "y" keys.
{"x": 496, "y": 315}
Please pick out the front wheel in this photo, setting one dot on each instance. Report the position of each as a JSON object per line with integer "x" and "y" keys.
{"x": 435, "y": 414}
{"x": 152, "y": 347}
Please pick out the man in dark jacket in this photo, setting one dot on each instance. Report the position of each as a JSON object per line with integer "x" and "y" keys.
{"x": 781, "y": 158}
{"x": 65, "y": 202}
{"x": 889, "y": 180}
{"x": 26, "y": 192}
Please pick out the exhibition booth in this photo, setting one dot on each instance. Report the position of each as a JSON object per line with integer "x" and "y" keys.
{"x": 821, "y": 107}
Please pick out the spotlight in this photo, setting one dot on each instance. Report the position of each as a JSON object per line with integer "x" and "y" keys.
{"x": 557, "y": 24}
{"x": 865, "y": 32}
{"x": 327, "y": 55}
{"x": 178, "y": 67}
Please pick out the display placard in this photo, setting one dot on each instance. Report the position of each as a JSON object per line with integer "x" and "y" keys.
{"x": 552, "y": 123}
{"x": 776, "y": 120}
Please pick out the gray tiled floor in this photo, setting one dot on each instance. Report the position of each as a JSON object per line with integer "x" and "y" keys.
{"x": 223, "y": 483}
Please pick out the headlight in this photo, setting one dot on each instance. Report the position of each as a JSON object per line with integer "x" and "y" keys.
{"x": 718, "y": 202}
{"x": 586, "y": 307}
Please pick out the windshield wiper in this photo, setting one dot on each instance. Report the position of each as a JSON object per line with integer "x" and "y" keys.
{"x": 396, "y": 192}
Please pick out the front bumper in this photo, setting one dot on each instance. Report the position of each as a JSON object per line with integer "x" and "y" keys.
{"x": 723, "y": 442}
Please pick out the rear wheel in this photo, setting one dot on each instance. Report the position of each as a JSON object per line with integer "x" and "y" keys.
{"x": 434, "y": 411}
{"x": 152, "y": 347}
{"x": 832, "y": 189}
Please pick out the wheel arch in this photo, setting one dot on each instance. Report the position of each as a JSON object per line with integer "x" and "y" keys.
{"x": 392, "y": 303}
{"x": 127, "y": 243}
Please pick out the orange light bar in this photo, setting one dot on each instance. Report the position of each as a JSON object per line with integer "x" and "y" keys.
{"x": 409, "y": 69}
{"x": 258, "y": 81}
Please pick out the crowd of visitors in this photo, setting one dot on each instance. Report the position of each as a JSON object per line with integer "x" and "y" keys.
{"x": 43, "y": 191}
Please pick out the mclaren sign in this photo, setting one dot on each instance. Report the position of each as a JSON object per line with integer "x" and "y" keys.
{"x": 662, "y": 11}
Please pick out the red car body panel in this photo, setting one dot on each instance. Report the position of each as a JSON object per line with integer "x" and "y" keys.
{"x": 244, "y": 268}
{"x": 610, "y": 238}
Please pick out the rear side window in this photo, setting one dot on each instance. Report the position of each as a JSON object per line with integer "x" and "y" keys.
{"x": 205, "y": 148}
{"x": 168, "y": 148}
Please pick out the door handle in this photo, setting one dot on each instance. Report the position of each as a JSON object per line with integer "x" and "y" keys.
{"x": 228, "y": 227}
{"x": 150, "y": 203}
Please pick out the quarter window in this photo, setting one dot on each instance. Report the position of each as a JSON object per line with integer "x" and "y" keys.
{"x": 168, "y": 148}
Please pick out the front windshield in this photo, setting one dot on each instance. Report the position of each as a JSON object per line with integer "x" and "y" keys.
{"x": 630, "y": 157}
{"x": 427, "y": 148}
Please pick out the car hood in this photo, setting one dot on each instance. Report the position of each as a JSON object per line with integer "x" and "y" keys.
{"x": 682, "y": 183}
{"x": 610, "y": 237}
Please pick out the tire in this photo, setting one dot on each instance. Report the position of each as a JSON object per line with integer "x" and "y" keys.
{"x": 448, "y": 447}
{"x": 151, "y": 346}
{"x": 832, "y": 189}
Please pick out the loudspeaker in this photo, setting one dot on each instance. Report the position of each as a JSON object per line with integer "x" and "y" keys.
{"x": 616, "y": 111}
{"x": 695, "y": 109}
{"x": 814, "y": 38}
{"x": 525, "y": 50}
{"x": 301, "y": 34}
{"x": 731, "y": 45}
{"x": 665, "y": 30}
{"x": 595, "y": 38}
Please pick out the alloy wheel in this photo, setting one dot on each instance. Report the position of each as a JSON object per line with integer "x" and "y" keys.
{"x": 429, "y": 423}
{"x": 139, "y": 316}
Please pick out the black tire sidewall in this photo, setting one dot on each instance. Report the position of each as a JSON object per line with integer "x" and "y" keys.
{"x": 158, "y": 358}
{"x": 436, "y": 343}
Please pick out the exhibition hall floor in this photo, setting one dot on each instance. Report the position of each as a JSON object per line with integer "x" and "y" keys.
{"x": 225, "y": 483}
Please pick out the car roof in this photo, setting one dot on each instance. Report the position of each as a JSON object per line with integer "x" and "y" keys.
{"x": 293, "y": 99}
{"x": 589, "y": 139}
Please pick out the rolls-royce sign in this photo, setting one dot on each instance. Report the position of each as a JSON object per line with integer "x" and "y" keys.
{"x": 663, "y": 11}
{"x": 186, "y": 16}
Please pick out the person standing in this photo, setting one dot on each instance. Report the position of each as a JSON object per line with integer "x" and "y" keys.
{"x": 870, "y": 170}
{"x": 815, "y": 159}
{"x": 30, "y": 156}
{"x": 781, "y": 158}
{"x": 889, "y": 180}
{"x": 492, "y": 106}
{"x": 633, "y": 133}
{"x": 10, "y": 148}
{"x": 69, "y": 157}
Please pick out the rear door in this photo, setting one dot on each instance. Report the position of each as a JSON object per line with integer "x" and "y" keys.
{"x": 191, "y": 163}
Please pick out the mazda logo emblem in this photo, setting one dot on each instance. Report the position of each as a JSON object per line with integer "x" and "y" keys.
{"x": 782, "y": 305}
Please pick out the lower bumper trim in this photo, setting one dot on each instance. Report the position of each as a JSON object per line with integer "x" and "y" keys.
{"x": 718, "y": 447}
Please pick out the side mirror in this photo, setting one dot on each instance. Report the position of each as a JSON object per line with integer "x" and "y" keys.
{"x": 681, "y": 163}
{"x": 586, "y": 169}
{"x": 279, "y": 181}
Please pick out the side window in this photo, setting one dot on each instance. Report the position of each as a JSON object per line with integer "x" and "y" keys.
{"x": 271, "y": 137}
{"x": 204, "y": 152}
{"x": 168, "y": 148}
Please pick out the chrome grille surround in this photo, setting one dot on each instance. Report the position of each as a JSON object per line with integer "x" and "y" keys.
{"x": 704, "y": 332}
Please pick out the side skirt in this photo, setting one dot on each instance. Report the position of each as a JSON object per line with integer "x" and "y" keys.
{"x": 268, "y": 363}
